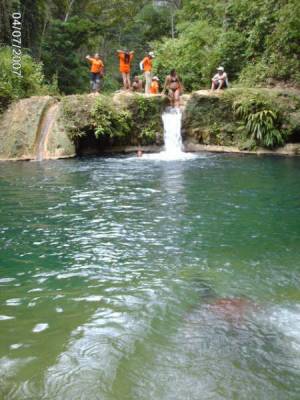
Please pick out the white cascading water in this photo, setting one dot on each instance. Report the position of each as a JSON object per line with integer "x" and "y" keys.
{"x": 46, "y": 126}
{"x": 172, "y": 133}
{"x": 172, "y": 138}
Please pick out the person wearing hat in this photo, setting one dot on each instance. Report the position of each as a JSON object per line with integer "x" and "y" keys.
{"x": 220, "y": 80}
{"x": 146, "y": 66}
{"x": 125, "y": 58}
{"x": 154, "y": 88}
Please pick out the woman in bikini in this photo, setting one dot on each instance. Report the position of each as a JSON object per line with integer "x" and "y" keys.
{"x": 174, "y": 87}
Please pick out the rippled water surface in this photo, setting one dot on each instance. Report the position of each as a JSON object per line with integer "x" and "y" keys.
{"x": 129, "y": 279}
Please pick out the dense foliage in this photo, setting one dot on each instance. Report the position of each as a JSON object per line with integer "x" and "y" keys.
{"x": 109, "y": 120}
{"x": 60, "y": 33}
{"x": 32, "y": 82}
{"x": 245, "y": 118}
{"x": 130, "y": 120}
{"x": 257, "y": 41}
{"x": 260, "y": 121}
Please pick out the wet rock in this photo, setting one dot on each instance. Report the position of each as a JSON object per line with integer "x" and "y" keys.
{"x": 208, "y": 124}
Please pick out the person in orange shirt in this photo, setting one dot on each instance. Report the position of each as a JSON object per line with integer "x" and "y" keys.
{"x": 125, "y": 58}
{"x": 97, "y": 68}
{"x": 146, "y": 66}
{"x": 154, "y": 88}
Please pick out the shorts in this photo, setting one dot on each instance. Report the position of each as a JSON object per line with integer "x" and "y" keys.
{"x": 225, "y": 86}
{"x": 95, "y": 76}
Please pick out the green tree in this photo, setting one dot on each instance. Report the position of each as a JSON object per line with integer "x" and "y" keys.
{"x": 12, "y": 87}
{"x": 61, "y": 56}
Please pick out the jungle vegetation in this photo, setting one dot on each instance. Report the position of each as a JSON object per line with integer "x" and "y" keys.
{"x": 257, "y": 41}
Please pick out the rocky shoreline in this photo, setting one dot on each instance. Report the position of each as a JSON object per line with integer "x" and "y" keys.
{"x": 208, "y": 124}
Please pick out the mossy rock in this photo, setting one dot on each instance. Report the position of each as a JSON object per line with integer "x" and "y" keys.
{"x": 124, "y": 119}
{"x": 208, "y": 118}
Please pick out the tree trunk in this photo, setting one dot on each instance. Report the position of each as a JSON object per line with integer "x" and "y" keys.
{"x": 172, "y": 25}
{"x": 69, "y": 10}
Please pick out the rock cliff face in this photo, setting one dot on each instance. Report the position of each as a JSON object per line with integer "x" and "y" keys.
{"x": 20, "y": 131}
{"x": 47, "y": 128}
{"x": 211, "y": 123}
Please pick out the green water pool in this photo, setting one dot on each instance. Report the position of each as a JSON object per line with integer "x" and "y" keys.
{"x": 116, "y": 275}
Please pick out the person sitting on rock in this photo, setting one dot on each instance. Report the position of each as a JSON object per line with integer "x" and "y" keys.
{"x": 125, "y": 58}
{"x": 97, "y": 68}
{"x": 220, "y": 80}
{"x": 154, "y": 88}
{"x": 137, "y": 84}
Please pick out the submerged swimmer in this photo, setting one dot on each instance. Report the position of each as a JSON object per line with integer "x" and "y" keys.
{"x": 231, "y": 309}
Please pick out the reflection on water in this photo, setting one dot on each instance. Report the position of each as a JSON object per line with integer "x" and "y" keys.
{"x": 143, "y": 279}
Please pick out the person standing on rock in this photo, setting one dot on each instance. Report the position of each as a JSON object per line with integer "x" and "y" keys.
{"x": 125, "y": 58}
{"x": 174, "y": 88}
{"x": 146, "y": 66}
{"x": 97, "y": 69}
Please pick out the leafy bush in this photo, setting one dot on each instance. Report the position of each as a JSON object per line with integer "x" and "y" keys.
{"x": 256, "y": 41}
{"x": 193, "y": 54}
{"x": 146, "y": 117}
{"x": 261, "y": 121}
{"x": 77, "y": 115}
{"x": 13, "y": 87}
{"x": 254, "y": 74}
{"x": 109, "y": 120}
{"x": 135, "y": 120}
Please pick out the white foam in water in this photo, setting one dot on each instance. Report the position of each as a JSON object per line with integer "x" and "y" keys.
{"x": 13, "y": 302}
{"x": 40, "y": 327}
{"x": 16, "y": 346}
{"x": 89, "y": 298}
{"x": 172, "y": 138}
{"x": 6, "y": 280}
{"x": 288, "y": 322}
{"x": 5, "y": 317}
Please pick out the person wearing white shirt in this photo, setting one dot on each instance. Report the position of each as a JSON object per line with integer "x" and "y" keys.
{"x": 220, "y": 80}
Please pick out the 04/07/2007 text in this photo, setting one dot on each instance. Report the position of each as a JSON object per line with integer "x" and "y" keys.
{"x": 16, "y": 41}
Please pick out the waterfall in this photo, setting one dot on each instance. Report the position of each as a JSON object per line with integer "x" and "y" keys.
{"x": 172, "y": 133}
{"x": 173, "y": 149}
{"x": 46, "y": 125}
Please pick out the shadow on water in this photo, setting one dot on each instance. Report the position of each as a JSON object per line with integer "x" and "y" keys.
{"x": 147, "y": 274}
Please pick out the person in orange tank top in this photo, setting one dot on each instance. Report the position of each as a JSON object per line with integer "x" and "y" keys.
{"x": 97, "y": 68}
{"x": 125, "y": 58}
{"x": 146, "y": 66}
{"x": 154, "y": 88}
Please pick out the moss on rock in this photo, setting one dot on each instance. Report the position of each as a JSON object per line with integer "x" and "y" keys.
{"x": 124, "y": 119}
{"x": 212, "y": 118}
